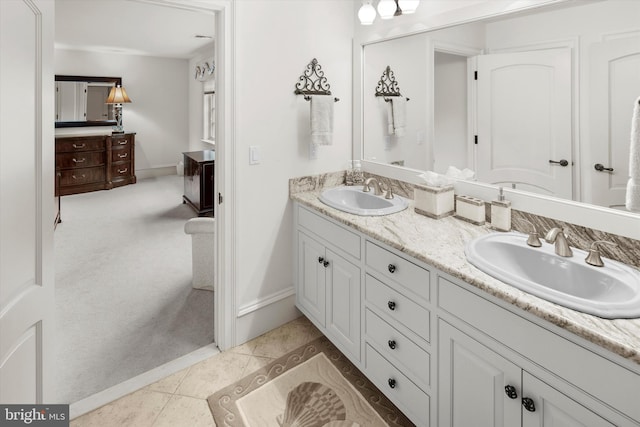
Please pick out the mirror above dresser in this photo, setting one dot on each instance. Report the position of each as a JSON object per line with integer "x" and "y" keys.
{"x": 81, "y": 101}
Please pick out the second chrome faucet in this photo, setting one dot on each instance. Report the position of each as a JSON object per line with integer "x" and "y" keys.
{"x": 556, "y": 235}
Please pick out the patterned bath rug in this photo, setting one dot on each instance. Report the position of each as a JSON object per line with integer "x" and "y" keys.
{"x": 313, "y": 386}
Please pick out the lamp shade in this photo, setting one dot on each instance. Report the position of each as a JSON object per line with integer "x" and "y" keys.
{"x": 118, "y": 96}
{"x": 387, "y": 8}
{"x": 408, "y": 6}
{"x": 367, "y": 13}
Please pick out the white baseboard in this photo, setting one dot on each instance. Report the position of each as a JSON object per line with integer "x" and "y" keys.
{"x": 265, "y": 318}
{"x": 155, "y": 172}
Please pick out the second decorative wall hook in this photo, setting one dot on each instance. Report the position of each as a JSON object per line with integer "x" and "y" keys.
{"x": 387, "y": 85}
{"x": 313, "y": 82}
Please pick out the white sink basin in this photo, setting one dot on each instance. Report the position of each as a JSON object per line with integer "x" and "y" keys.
{"x": 353, "y": 200}
{"x": 611, "y": 292}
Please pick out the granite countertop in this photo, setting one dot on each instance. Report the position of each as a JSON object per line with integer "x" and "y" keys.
{"x": 441, "y": 243}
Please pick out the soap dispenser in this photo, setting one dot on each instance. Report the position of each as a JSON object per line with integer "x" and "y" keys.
{"x": 501, "y": 213}
{"x": 358, "y": 176}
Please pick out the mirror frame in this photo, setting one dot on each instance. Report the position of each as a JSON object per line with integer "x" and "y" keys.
{"x": 86, "y": 123}
{"x": 621, "y": 223}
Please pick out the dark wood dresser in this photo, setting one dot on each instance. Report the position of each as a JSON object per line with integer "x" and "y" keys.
{"x": 198, "y": 180}
{"x": 94, "y": 162}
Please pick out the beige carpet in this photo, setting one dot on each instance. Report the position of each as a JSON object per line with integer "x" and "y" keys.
{"x": 314, "y": 385}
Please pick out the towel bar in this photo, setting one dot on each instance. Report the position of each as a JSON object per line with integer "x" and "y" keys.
{"x": 313, "y": 82}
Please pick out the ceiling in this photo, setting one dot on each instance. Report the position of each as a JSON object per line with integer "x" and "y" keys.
{"x": 131, "y": 27}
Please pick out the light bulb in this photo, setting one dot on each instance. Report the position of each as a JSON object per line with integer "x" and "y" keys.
{"x": 367, "y": 13}
{"x": 386, "y": 9}
{"x": 408, "y": 6}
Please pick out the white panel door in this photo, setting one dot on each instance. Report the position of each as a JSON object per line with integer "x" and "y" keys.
{"x": 26, "y": 201}
{"x": 524, "y": 121}
{"x": 614, "y": 85}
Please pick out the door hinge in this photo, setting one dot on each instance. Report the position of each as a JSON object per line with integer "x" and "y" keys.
{"x": 475, "y": 139}
{"x": 219, "y": 198}
{"x": 475, "y": 75}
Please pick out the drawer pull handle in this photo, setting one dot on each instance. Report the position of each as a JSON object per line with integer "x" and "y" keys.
{"x": 82, "y": 160}
{"x": 391, "y": 305}
{"x": 392, "y": 268}
{"x": 75, "y": 177}
{"x": 122, "y": 142}
{"x": 392, "y": 344}
{"x": 121, "y": 171}
{"x": 392, "y": 383}
{"x": 78, "y": 145}
{"x": 122, "y": 156}
{"x": 528, "y": 404}
{"x": 511, "y": 392}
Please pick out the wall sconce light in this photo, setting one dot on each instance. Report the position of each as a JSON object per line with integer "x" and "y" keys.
{"x": 204, "y": 71}
{"x": 117, "y": 97}
{"x": 387, "y": 9}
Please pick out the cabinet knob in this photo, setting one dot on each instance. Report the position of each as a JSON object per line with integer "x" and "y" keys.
{"x": 325, "y": 263}
{"x": 528, "y": 404}
{"x": 320, "y": 259}
{"x": 511, "y": 391}
{"x": 392, "y": 344}
{"x": 392, "y": 268}
{"x": 392, "y": 305}
{"x": 392, "y": 383}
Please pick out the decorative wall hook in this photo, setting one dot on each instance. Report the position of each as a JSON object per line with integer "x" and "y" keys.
{"x": 313, "y": 82}
{"x": 387, "y": 86}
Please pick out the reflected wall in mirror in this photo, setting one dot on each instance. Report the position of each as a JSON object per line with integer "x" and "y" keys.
{"x": 553, "y": 98}
{"x": 81, "y": 101}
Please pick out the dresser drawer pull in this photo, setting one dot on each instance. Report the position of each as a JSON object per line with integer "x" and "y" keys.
{"x": 122, "y": 156}
{"x": 82, "y": 160}
{"x": 392, "y": 383}
{"x": 81, "y": 177}
{"x": 121, "y": 171}
{"x": 392, "y": 268}
{"x": 391, "y": 305}
{"x": 392, "y": 344}
{"x": 123, "y": 142}
{"x": 78, "y": 145}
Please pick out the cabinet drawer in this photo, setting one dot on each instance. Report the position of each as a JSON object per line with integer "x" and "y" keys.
{"x": 404, "y": 393}
{"x": 398, "y": 307}
{"x": 414, "y": 278}
{"x": 81, "y": 176}
{"x": 338, "y": 236}
{"x": 395, "y": 346}
{"x": 123, "y": 155}
{"x": 120, "y": 141}
{"x": 81, "y": 159}
{"x": 80, "y": 144}
{"x": 121, "y": 169}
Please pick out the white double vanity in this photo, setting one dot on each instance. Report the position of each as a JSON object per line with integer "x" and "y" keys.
{"x": 448, "y": 344}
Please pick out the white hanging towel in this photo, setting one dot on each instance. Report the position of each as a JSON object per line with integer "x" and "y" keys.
{"x": 633, "y": 186}
{"x": 396, "y": 114}
{"x": 322, "y": 119}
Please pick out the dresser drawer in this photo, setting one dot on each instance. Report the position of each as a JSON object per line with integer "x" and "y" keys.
{"x": 395, "y": 385}
{"x": 81, "y": 159}
{"x": 64, "y": 145}
{"x": 121, "y": 169}
{"x": 344, "y": 239}
{"x": 81, "y": 176}
{"x": 398, "y": 307}
{"x": 120, "y": 140}
{"x": 123, "y": 155}
{"x": 395, "y": 346}
{"x": 406, "y": 273}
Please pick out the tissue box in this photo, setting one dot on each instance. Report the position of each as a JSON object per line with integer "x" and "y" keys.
{"x": 434, "y": 202}
{"x": 470, "y": 209}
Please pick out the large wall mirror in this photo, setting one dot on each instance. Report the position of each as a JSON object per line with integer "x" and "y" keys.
{"x": 550, "y": 111}
{"x": 81, "y": 101}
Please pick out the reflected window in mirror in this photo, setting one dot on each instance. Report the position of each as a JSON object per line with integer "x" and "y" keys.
{"x": 209, "y": 116}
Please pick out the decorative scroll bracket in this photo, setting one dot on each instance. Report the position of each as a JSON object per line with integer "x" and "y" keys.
{"x": 387, "y": 86}
{"x": 313, "y": 82}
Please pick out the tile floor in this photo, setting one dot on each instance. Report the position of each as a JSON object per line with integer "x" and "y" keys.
{"x": 180, "y": 399}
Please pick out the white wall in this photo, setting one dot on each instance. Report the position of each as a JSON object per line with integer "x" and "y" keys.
{"x": 158, "y": 113}
{"x": 275, "y": 40}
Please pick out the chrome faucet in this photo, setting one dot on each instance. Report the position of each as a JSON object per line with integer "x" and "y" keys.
{"x": 533, "y": 240}
{"x": 557, "y": 236}
{"x": 593, "y": 257}
{"x": 378, "y": 188}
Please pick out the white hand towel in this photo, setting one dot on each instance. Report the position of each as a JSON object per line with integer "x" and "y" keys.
{"x": 633, "y": 186}
{"x": 399, "y": 104}
{"x": 322, "y": 119}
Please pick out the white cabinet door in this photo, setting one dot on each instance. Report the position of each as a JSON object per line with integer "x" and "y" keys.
{"x": 524, "y": 121}
{"x": 311, "y": 290}
{"x": 472, "y": 383}
{"x": 343, "y": 302}
{"x": 553, "y": 409}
